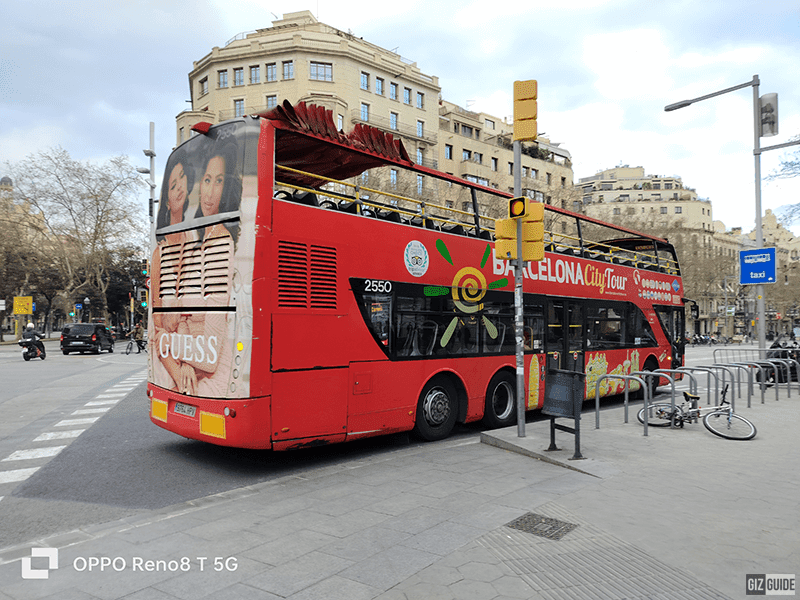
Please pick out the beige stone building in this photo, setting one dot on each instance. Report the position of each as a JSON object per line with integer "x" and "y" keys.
{"x": 301, "y": 59}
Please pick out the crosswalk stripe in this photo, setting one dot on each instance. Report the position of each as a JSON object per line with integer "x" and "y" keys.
{"x": 35, "y": 453}
{"x": 91, "y": 411}
{"x": 17, "y": 475}
{"x": 71, "y": 422}
{"x": 102, "y": 402}
{"x": 59, "y": 435}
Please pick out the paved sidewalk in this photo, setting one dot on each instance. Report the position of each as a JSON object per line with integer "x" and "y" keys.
{"x": 677, "y": 514}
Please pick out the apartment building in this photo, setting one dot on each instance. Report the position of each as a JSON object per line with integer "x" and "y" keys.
{"x": 301, "y": 59}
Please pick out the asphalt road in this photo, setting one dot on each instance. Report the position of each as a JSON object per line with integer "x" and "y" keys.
{"x": 121, "y": 464}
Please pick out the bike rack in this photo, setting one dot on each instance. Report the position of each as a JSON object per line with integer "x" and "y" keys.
{"x": 748, "y": 369}
{"x": 597, "y": 394}
{"x": 647, "y": 388}
{"x": 725, "y": 369}
{"x": 710, "y": 374}
{"x": 762, "y": 372}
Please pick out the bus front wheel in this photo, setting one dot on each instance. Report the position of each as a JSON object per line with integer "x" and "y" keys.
{"x": 500, "y": 409}
{"x": 436, "y": 410}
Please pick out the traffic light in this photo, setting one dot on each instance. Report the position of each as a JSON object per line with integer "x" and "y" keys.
{"x": 769, "y": 115}
{"x": 525, "y": 110}
{"x": 531, "y": 215}
{"x": 143, "y": 298}
{"x": 144, "y": 267}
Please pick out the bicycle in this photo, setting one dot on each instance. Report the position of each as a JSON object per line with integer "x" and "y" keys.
{"x": 719, "y": 420}
{"x": 141, "y": 343}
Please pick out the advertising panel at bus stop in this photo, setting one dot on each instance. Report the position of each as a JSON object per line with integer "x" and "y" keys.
{"x": 757, "y": 266}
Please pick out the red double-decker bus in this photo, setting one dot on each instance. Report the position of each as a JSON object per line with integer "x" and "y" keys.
{"x": 302, "y": 295}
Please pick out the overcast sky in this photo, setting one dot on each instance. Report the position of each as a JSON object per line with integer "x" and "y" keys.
{"x": 89, "y": 76}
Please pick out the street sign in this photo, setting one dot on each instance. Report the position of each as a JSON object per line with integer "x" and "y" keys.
{"x": 79, "y": 306}
{"x": 757, "y": 266}
{"x": 23, "y": 305}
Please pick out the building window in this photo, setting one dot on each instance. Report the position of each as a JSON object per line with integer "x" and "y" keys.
{"x": 420, "y": 100}
{"x": 563, "y": 182}
{"x": 272, "y": 101}
{"x": 617, "y": 211}
{"x": 238, "y": 108}
{"x": 663, "y": 210}
{"x": 340, "y": 122}
{"x": 656, "y": 186}
{"x": 238, "y": 76}
{"x": 420, "y": 128}
{"x": 448, "y": 152}
{"x": 494, "y": 163}
{"x": 419, "y": 184}
{"x": 667, "y": 186}
{"x": 678, "y": 210}
{"x": 288, "y": 69}
{"x": 511, "y": 168}
{"x": 272, "y": 72}
{"x": 549, "y": 179}
{"x": 365, "y": 81}
{"x": 364, "y": 112}
{"x": 419, "y": 156}
{"x": 393, "y": 177}
{"x": 407, "y": 95}
{"x": 466, "y": 131}
{"x": 204, "y": 86}
{"x": 379, "y": 86}
{"x": 255, "y": 74}
{"x": 455, "y": 126}
{"x": 489, "y": 124}
{"x": 222, "y": 79}
{"x": 524, "y": 171}
{"x": 321, "y": 71}
{"x": 392, "y": 91}
{"x": 466, "y": 154}
{"x": 478, "y": 158}
{"x": 393, "y": 120}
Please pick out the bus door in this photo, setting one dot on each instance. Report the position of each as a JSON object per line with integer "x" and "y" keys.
{"x": 565, "y": 333}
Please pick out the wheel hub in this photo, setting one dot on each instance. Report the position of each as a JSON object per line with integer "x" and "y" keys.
{"x": 436, "y": 407}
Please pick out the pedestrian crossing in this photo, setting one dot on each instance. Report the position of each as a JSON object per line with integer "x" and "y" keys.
{"x": 13, "y": 469}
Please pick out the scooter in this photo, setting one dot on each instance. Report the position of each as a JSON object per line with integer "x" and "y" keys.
{"x": 30, "y": 350}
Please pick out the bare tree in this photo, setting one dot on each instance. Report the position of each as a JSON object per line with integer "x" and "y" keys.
{"x": 79, "y": 213}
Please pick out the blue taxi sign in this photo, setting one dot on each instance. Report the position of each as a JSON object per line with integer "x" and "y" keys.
{"x": 757, "y": 266}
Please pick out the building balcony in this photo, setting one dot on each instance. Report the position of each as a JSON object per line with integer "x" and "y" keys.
{"x": 384, "y": 124}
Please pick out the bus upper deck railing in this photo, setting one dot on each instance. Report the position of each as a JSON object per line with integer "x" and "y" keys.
{"x": 460, "y": 222}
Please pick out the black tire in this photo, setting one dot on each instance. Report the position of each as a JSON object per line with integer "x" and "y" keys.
{"x": 658, "y": 415}
{"x": 65, "y": 352}
{"x": 26, "y": 357}
{"x": 649, "y": 365}
{"x": 500, "y": 409}
{"x": 43, "y": 356}
{"x": 111, "y": 348}
{"x": 128, "y": 348}
{"x": 735, "y": 428}
{"x": 437, "y": 410}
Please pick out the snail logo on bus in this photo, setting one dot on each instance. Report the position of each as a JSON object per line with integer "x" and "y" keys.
{"x": 416, "y": 258}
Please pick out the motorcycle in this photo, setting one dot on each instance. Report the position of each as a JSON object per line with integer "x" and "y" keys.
{"x": 31, "y": 350}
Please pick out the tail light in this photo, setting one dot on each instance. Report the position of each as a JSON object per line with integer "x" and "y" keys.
{"x": 94, "y": 337}
{"x": 62, "y": 337}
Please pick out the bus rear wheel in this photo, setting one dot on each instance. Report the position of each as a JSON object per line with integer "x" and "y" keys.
{"x": 501, "y": 395}
{"x": 436, "y": 410}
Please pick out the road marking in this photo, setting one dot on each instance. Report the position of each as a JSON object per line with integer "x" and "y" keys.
{"x": 35, "y": 453}
{"x": 91, "y": 411}
{"x": 102, "y": 402}
{"x": 17, "y": 475}
{"x": 118, "y": 396}
{"x": 71, "y": 422}
{"x": 59, "y": 435}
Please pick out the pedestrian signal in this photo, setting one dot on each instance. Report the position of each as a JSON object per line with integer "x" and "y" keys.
{"x": 530, "y": 216}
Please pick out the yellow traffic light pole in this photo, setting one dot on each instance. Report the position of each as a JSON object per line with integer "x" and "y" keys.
{"x": 525, "y": 115}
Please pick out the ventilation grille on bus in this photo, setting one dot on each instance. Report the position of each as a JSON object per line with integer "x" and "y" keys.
{"x": 306, "y": 276}
{"x": 195, "y": 268}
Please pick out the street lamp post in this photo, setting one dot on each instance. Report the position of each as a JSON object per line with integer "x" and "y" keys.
{"x": 151, "y": 153}
{"x": 754, "y": 83}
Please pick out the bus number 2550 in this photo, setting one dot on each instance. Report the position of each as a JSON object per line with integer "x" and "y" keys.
{"x": 375, "y": 285}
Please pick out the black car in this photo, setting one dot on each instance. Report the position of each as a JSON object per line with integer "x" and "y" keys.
{"x": 86, "y": 337}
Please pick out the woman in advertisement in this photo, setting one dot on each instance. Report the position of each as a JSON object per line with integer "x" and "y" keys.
{"x": 175, "y": 198}
{"x": 205, "y": 367}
